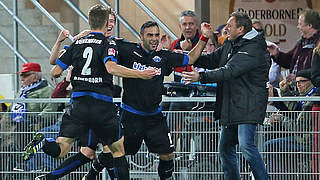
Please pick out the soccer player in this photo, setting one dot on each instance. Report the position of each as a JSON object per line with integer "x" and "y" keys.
{"x": 94, "y": 59}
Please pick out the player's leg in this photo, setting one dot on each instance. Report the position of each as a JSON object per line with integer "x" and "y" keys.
{"x": 158, "y": 140}
{"x": 104, "y": 160}
{"x": 106, "y": 125}
{"x": 132, "y": 143}
{"x": 120, "y": 164}
{"x": 55, "y": 148}
{"x": 87, "y": 153}
{"x": 166, "y": 167}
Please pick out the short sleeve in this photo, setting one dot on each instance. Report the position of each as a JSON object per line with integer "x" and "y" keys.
{"x": 111, "y": 52}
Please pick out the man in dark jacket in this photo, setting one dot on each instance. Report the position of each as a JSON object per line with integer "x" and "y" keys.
{"x": 240, "y": 67}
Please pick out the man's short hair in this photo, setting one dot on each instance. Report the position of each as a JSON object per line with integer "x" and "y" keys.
{"x": 147, "y": 25}
{"x": 188, "y": 13}
{"x": 311, "y": 17}
{"x": 242, "y": 19}
{"x": 98, "y": 15}
{"x": 114, "y": 14}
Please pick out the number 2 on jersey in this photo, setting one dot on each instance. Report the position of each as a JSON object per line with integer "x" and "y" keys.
{"x": 87, "y": 53}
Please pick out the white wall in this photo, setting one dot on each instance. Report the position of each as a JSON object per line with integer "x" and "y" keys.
{"x": 7, "y": 85}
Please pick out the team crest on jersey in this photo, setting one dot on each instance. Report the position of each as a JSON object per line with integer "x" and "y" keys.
{"x": 156, "y": 59}
{"x": 111, "y": 52}
{"x": 112, "y": 42}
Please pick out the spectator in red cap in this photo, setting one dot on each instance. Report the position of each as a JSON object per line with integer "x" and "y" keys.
{"x": 33, "y": 86}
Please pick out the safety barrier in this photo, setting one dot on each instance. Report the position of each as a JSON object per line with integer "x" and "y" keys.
{"x": 195, "y": 135}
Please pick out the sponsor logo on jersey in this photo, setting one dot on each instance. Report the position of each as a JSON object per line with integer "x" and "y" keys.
{"x": 156, "y": 59}
{"x": 111, "y": 52}
{"x": 140, "y": 67}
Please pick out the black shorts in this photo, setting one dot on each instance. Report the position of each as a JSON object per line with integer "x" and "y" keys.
{"x": 88, "y": 139}
{"x": 152, "y": 129}
{"x": 88, "y": 113}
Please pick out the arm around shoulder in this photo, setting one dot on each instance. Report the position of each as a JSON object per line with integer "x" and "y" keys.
{"x": 121, "y": 71}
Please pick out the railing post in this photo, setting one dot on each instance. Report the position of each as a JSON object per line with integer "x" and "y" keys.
{"x": 16, "y": 47}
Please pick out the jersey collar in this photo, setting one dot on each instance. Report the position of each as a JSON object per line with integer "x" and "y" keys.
{"x": 144, "y": 50}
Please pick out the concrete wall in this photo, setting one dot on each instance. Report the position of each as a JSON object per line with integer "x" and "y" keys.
{"x": 166, "y": 10}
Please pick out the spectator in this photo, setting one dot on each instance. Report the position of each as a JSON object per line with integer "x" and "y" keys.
{"x": 299, "y": 57}
{"x": 301, "y": 122}
{"x": 221, "y": 33}
{"x": 189, "y": 27}
{"x": 257, "y": 25}
{"x": 3, "y": 107}
{"x": 33, "y": 86}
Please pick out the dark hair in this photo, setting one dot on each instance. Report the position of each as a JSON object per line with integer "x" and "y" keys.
{"x": 188, "y": 13}
{"x": 306, "y": 73}
{"x": 311, "y": 17}
{"x": 4, "y": 107}
{"x": 242, "y": 19}
{"x": 147, "y": 25}
{"x": 114, "y": 14}
{"x": 98, "y": 15}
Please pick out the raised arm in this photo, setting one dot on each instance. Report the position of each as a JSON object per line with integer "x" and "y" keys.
{"x": 55, "y": 49}
{"x": 195, "y": 53}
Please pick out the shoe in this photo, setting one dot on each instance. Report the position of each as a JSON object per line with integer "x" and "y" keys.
{"x": 84, "y": 177}
{"x": 34, "y": 146}
{"x": 41, "y": 177}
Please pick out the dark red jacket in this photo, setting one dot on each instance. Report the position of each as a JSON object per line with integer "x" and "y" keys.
{"x": 301, "y": 54}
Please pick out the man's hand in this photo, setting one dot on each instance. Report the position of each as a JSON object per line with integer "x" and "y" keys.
{"x": 273, "y": 49}
{"x": 165, "y": 42}
{"x": 147, "y": 73}
{"x": 275, "y": 118}
{"x": 63, "y": 35}
{"x": 284, "y": 84}
{"x": 81, "y": 34}
{"x": 189, "y": 77}
{"x": 186, "y": 45}
{"x": 206, "y": 30}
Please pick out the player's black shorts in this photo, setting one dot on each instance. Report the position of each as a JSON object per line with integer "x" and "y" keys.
{"x": 88, "y": 139}
{"x": 90, "y": 113}
{"x": 152, "y": 129}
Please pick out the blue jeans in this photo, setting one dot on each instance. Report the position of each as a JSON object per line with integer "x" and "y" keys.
{"x": 242, "y": 134}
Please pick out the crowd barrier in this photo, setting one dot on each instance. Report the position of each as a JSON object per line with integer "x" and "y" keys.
{"x": 195, "y": 135}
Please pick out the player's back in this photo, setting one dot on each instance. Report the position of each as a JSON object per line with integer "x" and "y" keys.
{"x": 87, "y": 56}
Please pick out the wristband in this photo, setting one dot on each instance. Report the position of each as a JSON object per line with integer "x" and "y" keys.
{"x": 203, "y": 38}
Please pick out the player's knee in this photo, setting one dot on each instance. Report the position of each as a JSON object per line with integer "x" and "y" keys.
{"x": 106, "y": 149}
{"x": 166, "y": 157}
{"x": 117, "y": 149}
{"x": 88, "y": 152}
{"x": 65, "y": 146}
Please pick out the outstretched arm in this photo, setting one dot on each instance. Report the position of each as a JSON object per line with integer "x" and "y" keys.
{"x": 195, "y": 53}
{"x": 55, "y": 49}
{"x": 121, "y": 71}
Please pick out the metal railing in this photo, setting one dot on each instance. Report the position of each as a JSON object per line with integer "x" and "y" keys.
{"x": 195, "y": 135}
